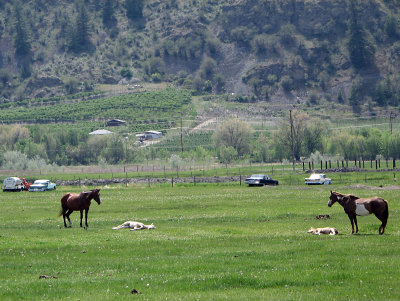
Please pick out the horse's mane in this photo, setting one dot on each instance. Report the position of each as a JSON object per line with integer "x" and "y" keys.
{"x": 349, "y": 196}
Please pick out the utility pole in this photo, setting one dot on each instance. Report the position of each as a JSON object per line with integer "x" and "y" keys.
{"x": 292, "y": 138}
{"x": 181, "y": 134}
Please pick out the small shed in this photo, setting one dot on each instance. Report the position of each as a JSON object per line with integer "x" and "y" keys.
{"x": 116, "y": 122}
{"x": 153, "y": 135}
{"x": 101, "y": 132}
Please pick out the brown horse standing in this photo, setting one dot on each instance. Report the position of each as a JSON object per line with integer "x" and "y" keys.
{"x": 354, "y": 206}
{"x": 74, "y": 201}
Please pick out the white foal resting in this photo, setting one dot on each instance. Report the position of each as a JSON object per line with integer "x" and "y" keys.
{"x": 134, "y": 226}
{"x": 319, "y": 231}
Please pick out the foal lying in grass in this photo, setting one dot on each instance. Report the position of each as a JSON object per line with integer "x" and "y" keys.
{"x": 134, "y": 226}
{"x": 319, "y": 231}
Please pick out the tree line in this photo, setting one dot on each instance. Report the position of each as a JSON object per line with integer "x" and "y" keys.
{"x": 302, "y": 138}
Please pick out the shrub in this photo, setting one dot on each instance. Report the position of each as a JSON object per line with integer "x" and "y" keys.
{"x": 126, "y": 72}
{"x": 71, "y": 85}
{"x": 287, "y": 83}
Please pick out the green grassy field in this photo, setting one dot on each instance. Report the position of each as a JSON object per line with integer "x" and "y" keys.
{"x": 212, "y": 242}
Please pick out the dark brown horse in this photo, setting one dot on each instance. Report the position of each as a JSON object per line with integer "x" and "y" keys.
{"x": 354, "y": 206}
{"x": 78, "y": 201}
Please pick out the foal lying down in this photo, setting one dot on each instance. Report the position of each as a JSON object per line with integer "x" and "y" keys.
{"x": 319, "y": 231}
{"x": 134, "y": 226}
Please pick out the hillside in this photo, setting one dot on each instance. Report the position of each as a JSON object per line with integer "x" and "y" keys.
{"x": 280, "y": 51}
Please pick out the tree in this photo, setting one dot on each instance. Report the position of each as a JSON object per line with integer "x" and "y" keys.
{"x": 291, "y": 134}
{"x": 313, "y": 135}
{"x": 207, "y": 68}
{"x": 227, "y": 154}
{"x": 108, "y": 12}
{"x": 391, "y": 25}
{"x": 361, "y": 51}
{"x": 261, "y": 149}
{"x": 21, "y": 37}
{"x": 82, "y": 26}
{"x": 77, "y": 32}
{"x": 235, "y": 133}
{"x": 354, "y": 99}
{"x": 340, "y": 97}
{"x": 134, "y": 8}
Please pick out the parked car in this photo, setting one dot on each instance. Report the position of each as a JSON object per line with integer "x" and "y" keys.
{"x": 317, "y": 179}
{"x": 15, "y": 184}
{"x": 42, "y": 185}
{"x": 260, "y": 180}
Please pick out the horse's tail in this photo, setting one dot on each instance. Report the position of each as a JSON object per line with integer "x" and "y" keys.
{"x": 386, "y": 213}
{"x": 63, "y": 204}
{"x": 61, "y": 212}
{"x": 385, "y": 216}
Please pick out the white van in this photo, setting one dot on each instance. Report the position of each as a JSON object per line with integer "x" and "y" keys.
{"x": 13, "y": 184}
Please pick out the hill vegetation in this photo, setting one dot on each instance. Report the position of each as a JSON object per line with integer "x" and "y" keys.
{"x": 286, "y": 50}
{"x": 63, "y": 64}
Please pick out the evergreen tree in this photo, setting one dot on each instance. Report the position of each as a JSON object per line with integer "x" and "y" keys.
{"x": 340, "y": 97}
{"x": 354, "y": 99}
{"x": 21, "y": 38}
{"x": 77, "y": 33}
{"x": 360, "y": 50}
{"x": 391, "y": 25}
{"x": 108, "y": 12}
{"x": 134, "y": 8}
{"x": 82, "y": 26}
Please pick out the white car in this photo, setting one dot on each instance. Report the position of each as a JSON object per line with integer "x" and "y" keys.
{"x": 42, "y": 185}
{"x": 318, "y": 179}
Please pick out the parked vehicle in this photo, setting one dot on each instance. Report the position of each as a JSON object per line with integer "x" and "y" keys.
{"x": 260, "y": 180}
{"x": 26, "y": 183}
{"x": 42, "y": 185}
{"x": 317, "y": 179}
{"x": 13, "y": 184}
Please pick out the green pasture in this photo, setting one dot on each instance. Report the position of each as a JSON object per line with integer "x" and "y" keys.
{"x": 211, "y": 242}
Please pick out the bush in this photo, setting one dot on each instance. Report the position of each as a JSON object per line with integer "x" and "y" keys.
{"x": 287, "y": 83}
{"x": 126, "y": 72}
{"x": 156, "y": 77}
{"x": 71, "y": 85}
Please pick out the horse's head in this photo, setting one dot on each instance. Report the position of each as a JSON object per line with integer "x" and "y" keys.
{"x": 96, "y": 195}
{"x": 333, "y": 198}
{"x": 312, "y": 230}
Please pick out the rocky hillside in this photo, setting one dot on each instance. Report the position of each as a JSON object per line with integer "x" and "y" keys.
{"x": 274, "y": 50}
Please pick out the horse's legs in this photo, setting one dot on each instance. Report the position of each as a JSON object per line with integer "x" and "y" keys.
{"x": 86, "y": 214}
{"x": 384, "y": 221}
{"x": 63, "y": 213}
{"x": 383, "y": 218}
{"x": 355, "y": 221}
{"x": 81, "y": 216}
{"x": 67, "y": 214}
{"x": 352, "y": 223}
